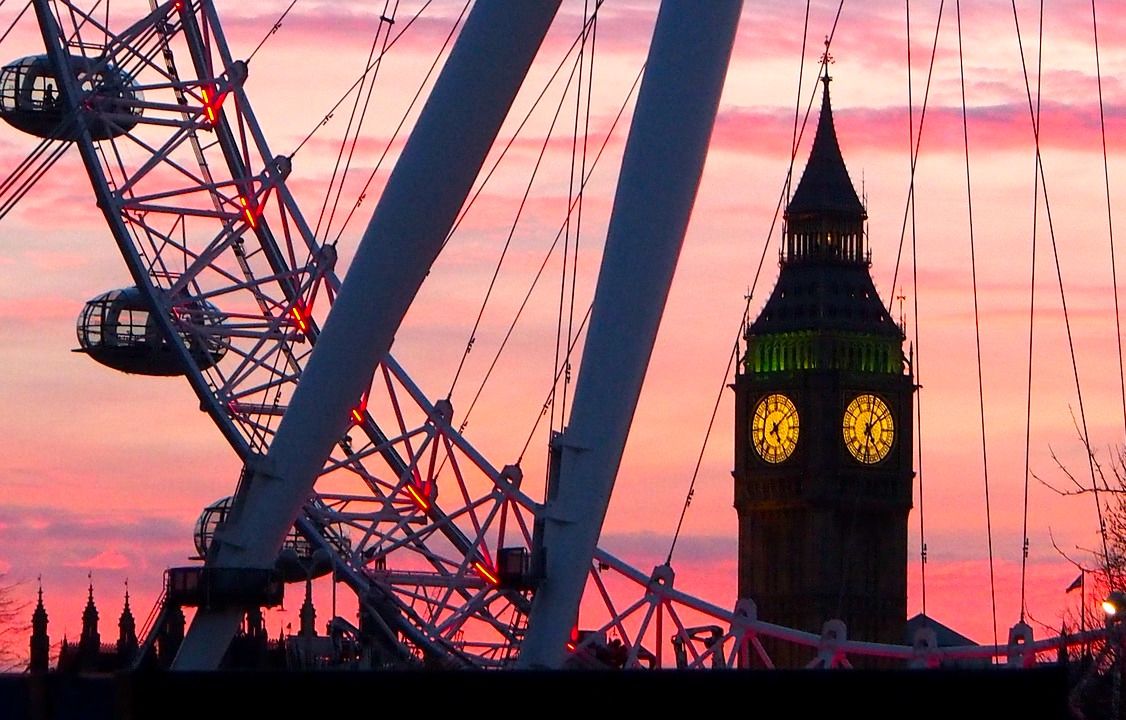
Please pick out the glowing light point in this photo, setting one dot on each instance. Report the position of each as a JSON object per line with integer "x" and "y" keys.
{"x": 248, "y": 212}
{"x": 573, "y": 643}
{"x": 1113, "y": 605}
{"x": 419, "y": 500}
{"x": 300, "y": 318}
{"x": 212, "y": 103}
{"x": 485, "y": 573}
{"x": 360, "y": 410}
{"x": 208, "y": 108}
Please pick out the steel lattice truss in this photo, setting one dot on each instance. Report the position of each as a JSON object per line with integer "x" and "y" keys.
{"x": 412, "y": 514}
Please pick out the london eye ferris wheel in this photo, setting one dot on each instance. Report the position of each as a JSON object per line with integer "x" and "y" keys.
{"x": 349, "y": 466}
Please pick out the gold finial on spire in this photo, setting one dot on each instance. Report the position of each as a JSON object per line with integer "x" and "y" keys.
{"x": 826, "y": 61}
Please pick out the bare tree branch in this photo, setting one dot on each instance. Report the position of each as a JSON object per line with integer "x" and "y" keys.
{"x": 13, "y": 628}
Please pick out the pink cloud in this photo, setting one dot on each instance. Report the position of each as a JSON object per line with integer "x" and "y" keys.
{"x": 105, "y": 560}
{"x": 992, "y": 130}
{"x": 50, "y": 309}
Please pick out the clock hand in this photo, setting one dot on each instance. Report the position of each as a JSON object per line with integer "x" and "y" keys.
{"x": 867, "y": 439}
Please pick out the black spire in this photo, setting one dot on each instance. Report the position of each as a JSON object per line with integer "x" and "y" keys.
{"x": 127, "y": 632}
{"x": 825, "y": 187}
{"x": 825, "y": 287}
{"x": 91, "y": 642}
{"x": 308, "y": 612}
{"x": 40, "y": 642}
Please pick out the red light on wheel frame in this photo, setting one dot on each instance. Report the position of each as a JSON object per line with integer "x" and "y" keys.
{"x": 419, "y": 500}
{"x": 212, "y": 103}
{"x": 248, "y": 212}
{"x": 300, "y": 318}
{"x": 488, "y": 575}
{"x": 573, "y": 641}
{"x": 357, "y": 414}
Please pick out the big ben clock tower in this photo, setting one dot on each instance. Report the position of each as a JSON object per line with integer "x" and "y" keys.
{"x": 823, "y": 446}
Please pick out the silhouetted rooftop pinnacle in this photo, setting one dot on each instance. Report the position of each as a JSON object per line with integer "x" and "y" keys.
{"x": 39, "y": 616}
{"x": 825, "y": 284}
{"x": 126, "y": 619}
{"x": 90, "y": 613}
{"x": 825, "y": 187}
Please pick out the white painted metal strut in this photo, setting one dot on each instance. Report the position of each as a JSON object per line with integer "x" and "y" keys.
{"x": 425, "y": 191}
{"x": 660, "y": 174}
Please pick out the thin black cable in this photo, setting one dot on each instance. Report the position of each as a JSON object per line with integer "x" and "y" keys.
{"x": 579, "y": 219}
{"x": 793, "y": 158}
{"x": 8, "y": 203}
{"x": 512, "y": 140}
{"x": 918, "y": 419}
{"x": 385, "y": 20}
{"x": 500, "y": 158}
{"x": 915, "y": 142}
{"x": 344, "y": 140}
{"x": 566, "y": 240}
{"x": 402, "y": 120}
{"x": 915, "y": 154}
{"x": 731, "y": 360}
{"x": 547, "y": 257}
{"x": 797, "y": 101}
{"x": 1031, "y": 330}
{"x": 13, "y": 25}
{"x": 418, "y": 93}
{"x": 555, "y": 382}
{"x": 268, "y": 35}
{"x": 28, "y": 164}
{"x": 1063, "y": 303}
{"x": 977, "y": 320}
{"x": 19, "y": 182}
{"x": 559, "y": 342}
{"x": 783, "y": 197}
{"x": 1109, "y": 214}
{"x": 508, "y": 240}
{"x": 389, "y": 18}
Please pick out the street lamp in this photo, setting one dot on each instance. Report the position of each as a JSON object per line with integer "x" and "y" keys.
{"x": 1115, "y": 608}
{"x": 1114, "y": 605}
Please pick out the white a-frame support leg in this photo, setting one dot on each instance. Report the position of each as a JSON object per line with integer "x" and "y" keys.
{"x": 661, "y": 169}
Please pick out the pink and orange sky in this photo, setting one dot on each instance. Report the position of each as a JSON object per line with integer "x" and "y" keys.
{"x": 104, "y": 473}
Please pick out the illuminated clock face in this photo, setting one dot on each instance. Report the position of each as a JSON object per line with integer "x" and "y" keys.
{"x": 774, "y": 428}
{"x": 869, "y": 429}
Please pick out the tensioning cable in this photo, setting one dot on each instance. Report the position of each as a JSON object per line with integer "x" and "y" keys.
{"x": 1109, "y": 214}
{"x": 977, "y": 320}
{"x": 783, "y": 199}
{"x": 1063, "y": 297}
